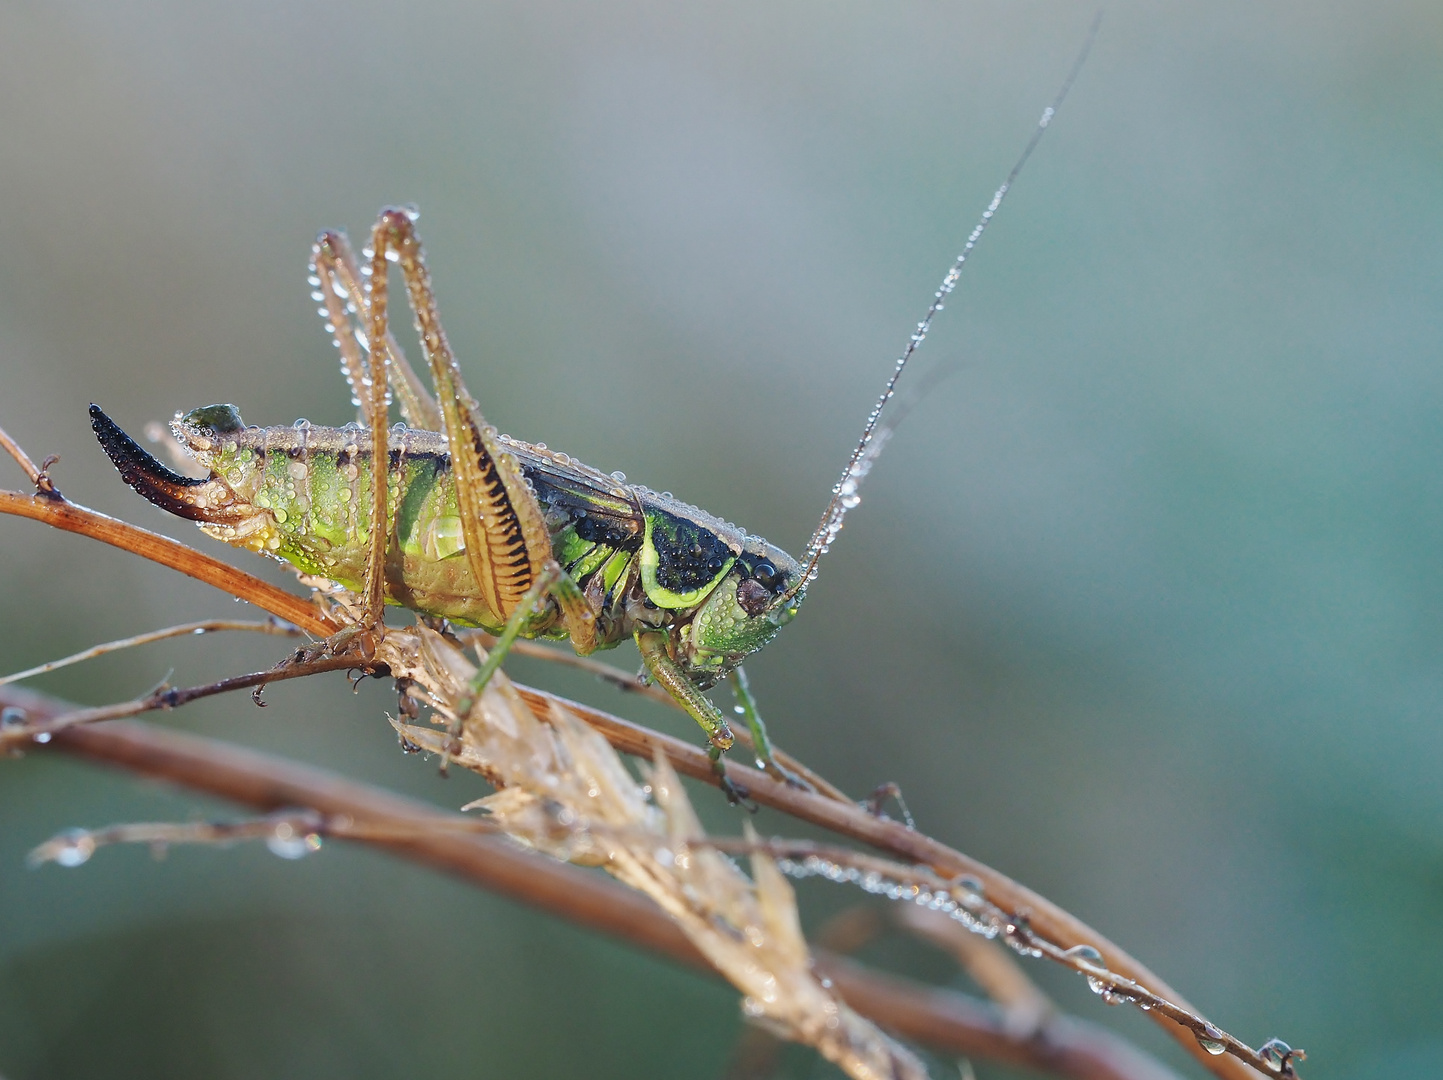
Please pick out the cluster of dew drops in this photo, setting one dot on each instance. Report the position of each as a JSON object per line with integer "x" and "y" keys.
{"x": 968, "y": 906}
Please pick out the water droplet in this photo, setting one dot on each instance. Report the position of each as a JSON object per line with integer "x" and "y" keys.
{"x": 74, "y": 847}
{"x": 12, "y": 717}
{"x": 752, "y": 1007}
{"x": 1085, "y": 953}
{"x": 1275, "y": 1054}
{"x": 619, "y": 476}
{"x": 971, "y": 884}
{"x": 43, "y": 737}
{"x": 288, "y": 843}
{"x": 1211, "y": 1039}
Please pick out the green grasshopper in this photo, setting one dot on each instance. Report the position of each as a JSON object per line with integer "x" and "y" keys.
{"x": 478, "y": 528}
{"x": 447, "y": 517}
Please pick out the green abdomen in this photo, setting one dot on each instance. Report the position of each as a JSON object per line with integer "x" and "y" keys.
{"x": 315, "y": 485}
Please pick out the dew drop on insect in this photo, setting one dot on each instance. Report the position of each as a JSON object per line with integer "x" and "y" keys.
{"x": 1211, "y": 1040}
{"x": 43, "y": 738}
{"x": 74, "y": 847}
{"x": 1085, "y": 953}
{"x": 619, "y": 476}
{"x": 286, "y": 842}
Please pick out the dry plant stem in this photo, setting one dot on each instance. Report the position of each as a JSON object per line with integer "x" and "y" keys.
{"x": 947, "y": 1021}
{"x": 1048, "y": 921}
{"x": 205, "y": 626}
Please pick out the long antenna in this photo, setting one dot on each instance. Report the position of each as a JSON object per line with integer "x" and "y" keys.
{"x": 874, "y": 437}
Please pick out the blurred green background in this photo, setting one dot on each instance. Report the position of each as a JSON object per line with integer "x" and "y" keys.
{"x": 1144, "y": 605}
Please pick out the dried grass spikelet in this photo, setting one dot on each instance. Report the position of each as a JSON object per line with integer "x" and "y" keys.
{"x": 564, "y": 791}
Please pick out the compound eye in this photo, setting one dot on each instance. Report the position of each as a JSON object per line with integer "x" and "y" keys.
{"x": 753, "y": 598}
{"x": 766, "y": 575}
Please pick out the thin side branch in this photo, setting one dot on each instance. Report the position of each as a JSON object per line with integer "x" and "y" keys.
{"x": 36, "y": 474}
{"x": 205, "y": 626}
{"x": 17, "y": 735}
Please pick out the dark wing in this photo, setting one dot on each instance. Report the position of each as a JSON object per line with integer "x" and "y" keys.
{"x": 597, "y": 503}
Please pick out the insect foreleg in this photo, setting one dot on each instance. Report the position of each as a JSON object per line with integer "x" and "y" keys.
{"x": 665, "y": 671}
{"x": 761, "y": 742}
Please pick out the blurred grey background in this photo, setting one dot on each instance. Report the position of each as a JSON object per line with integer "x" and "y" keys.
{"x": 1144, "y": 605}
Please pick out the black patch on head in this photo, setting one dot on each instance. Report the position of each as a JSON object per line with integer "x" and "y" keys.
{"x": 688, "y": 556}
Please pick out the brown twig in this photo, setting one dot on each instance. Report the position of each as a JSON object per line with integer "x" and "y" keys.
{"x": 17, "y": 735}
{"x": 72, "y": 517}
{"x": 942, "y": 1019}
{"x": 1048, "y": 922}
